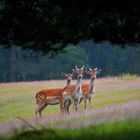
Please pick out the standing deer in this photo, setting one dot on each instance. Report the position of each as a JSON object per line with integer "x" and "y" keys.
{"x": 75, "y": 93}
{"x": 87, "y": 89}
{"x": 87, "y": 95}
{"x": 52, "y": 96}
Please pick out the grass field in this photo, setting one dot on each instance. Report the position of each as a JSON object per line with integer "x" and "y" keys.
{"x": 123, "y": 130}
{"x": 116, "y": 99}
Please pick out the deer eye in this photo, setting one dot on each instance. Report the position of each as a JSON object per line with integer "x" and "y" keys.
{"x": 77, "y": 71}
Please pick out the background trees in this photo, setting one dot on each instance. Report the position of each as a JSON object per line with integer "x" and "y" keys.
{"x": 49, "y": 25}
{"x": 26, "y": 65}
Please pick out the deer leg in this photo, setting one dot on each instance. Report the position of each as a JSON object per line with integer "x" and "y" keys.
{"x": 61, "y": 108}
{"x": 64, "y": 106}
{"x": 85, "y": 103}
{"x": 43, "y": 107}
{"x": 37, "y": 110}
{"x": 40, "y": 114}
{"x": 67, "y": 106}
{"x": 61, "y": 105}
{"x": 69, "y": 103}
{"x": 40, "y": 108}
{"x": 76, "y": 105}
{"x": 90, "y": 102}
{"x": 80, "y": 100}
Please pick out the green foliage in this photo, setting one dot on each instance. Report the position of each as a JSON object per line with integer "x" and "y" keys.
{"x": 119, "y": 130}
{"x": 23, "y": 65}
{"x": 29, "y": 66}
{"x": 113, "y": 60}
{"x": 42, "y": 24}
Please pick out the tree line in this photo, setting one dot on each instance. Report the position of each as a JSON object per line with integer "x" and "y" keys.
{"x": 26, "y": 65}
{"x": 49, "y": 25}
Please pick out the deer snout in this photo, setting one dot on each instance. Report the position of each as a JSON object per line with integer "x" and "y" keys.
{"x": 80, "y": 77}
{"x": 69, "y": 80}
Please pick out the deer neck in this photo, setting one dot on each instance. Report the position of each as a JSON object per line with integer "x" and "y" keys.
{"x": 67, "y": 85}
{"x": 78, "y": 88}
{"x": 92, "y": 85}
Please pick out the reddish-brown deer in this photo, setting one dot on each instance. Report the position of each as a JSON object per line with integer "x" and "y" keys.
{"x": 87, "y": 95}
{"x": 52, "y": 96}
{"x": 76, "y": 92}
{"x": 87, "y": 90}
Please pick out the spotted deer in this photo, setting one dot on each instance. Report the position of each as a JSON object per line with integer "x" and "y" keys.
{"x": 52, "y": 96}
{"x": 87, "y": 95}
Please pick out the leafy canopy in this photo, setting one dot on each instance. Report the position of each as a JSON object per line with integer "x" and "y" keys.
{"x": 49, "y": 25}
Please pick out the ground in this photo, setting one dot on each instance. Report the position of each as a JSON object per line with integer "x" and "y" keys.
{"x": 115, "y": 99}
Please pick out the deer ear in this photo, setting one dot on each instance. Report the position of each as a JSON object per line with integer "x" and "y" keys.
{"x": 63, "y": 74}
{"x": 95, "y": 68}
{"x": 90, "y": 69}
{"x": 82, "y": 67}
{"x": 76, "y": 67}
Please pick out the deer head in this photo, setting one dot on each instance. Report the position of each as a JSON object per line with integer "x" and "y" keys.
{"x": 93, "y": 72}
{"x": 68, "y": 76}
{"x": 79, "y": 71}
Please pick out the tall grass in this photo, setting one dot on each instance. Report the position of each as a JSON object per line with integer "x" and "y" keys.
{"x": 123, "y": 130}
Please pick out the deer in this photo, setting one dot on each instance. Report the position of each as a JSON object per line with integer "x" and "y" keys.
{"x": 75, "y": 93}
{"x": 52, "y": 96}
{"x": 87, "y": 89}
{"x": 87, "y": 95}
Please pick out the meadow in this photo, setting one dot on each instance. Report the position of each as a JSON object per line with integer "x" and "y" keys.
{"x": 115, "y": 111}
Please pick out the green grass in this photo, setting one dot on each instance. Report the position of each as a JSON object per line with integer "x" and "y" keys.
{"x": 115, "y": 97}
{"x": 128, "y": 77}
{"x": 19, "y": 99}
{"x": 122, "y": 130}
